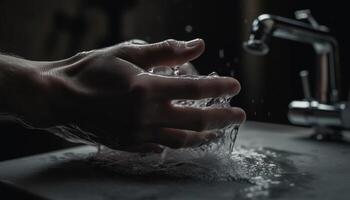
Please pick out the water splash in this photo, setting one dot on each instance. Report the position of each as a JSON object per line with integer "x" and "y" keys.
{"x": 218, "y": 161}
{"x": 211, "y": 161}
{"x": 262, "y": 171}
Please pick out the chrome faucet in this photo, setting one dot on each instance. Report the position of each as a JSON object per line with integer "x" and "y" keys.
{"x": 326, "y": 113}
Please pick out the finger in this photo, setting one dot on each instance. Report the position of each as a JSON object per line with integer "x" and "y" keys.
{"x": 166, "y": 53}
{"x": 186, "y": 87}
{"x": 200, "y": 119}
{"x": 176, "y": 138}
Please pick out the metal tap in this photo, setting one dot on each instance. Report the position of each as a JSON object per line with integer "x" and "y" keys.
{"x": 326, "y": 113}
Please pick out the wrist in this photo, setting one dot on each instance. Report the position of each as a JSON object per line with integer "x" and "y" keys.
{"x": 21, "y": 87}
{"x": 39, "y": 92}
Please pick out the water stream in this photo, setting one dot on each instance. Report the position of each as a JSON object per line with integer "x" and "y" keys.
{"x": 263, "y": 171}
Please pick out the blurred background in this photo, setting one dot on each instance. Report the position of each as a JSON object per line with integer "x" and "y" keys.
{"x": 51, "y": 30}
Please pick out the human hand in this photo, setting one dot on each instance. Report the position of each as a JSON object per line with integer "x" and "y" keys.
{"x": 111, "y": 93}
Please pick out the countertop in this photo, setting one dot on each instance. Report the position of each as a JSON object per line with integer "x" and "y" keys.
{"x": 314, "y": 169}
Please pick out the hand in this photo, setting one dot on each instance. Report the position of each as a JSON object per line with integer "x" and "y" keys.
{"x": 110, "y": 93}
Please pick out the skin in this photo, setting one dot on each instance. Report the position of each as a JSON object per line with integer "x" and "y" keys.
{"x": 111, "y": 93}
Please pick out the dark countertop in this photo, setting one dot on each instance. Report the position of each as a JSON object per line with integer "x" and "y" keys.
{"x": 318, "y": 170}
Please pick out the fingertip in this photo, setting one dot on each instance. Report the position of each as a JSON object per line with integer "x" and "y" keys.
{"x": 196, "y": 47}
{"x": 226, "y": 85}
{"x": 194, "y": 43}
{"x": 234, "y": 87}
{"x": 239, "y": 114}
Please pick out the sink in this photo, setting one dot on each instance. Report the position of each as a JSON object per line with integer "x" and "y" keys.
{"x": 313, "y": 170}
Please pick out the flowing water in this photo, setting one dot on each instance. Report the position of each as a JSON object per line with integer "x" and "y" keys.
{"x": 265, "y": 171}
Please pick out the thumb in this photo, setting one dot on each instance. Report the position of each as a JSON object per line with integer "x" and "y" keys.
{"x": 166, "y": 53}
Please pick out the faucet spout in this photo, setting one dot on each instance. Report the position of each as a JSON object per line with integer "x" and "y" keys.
{"x": 266, "y": 26}
{"x": 326, "y": 113}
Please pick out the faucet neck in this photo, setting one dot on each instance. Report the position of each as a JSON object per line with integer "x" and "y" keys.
{"x": 326, "y": 47}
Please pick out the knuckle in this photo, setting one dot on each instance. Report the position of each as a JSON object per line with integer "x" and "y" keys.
{"x": 124, "y": 49}
{"x": 128, "y": 50}
{"x": 138, "y": 41}
{"x": 84, "y": 54}
{"x": 170, "y": 42}
{"x": 240, "y": 115}
{"x": 125, "y": 46}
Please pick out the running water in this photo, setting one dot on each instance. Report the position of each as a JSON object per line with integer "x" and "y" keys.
{"x": 261, "y": 172}
{"x": 219, "y": 160}
{"x": 212, "y": 161}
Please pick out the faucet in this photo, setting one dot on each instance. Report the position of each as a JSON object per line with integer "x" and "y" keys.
{"x": 325, "y": 112}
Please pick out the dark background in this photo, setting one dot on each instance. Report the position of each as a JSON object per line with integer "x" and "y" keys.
{"x": 50, "y": 30}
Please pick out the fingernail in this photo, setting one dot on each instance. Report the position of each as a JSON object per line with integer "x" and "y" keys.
{"x": 193, "y": 43}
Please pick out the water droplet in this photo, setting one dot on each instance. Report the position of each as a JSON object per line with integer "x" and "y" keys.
{"x": 214, "y": 74}
{"x": 232, "y": 73}
{"x": 221, "y": 53}
{"x": 188, "y": 28}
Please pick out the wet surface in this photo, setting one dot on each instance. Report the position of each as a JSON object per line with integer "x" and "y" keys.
{"x": 268, "y": 162}
{"x": 260, "y": 173}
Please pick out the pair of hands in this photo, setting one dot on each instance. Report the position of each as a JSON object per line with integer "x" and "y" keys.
{"x": 111, "y": 93}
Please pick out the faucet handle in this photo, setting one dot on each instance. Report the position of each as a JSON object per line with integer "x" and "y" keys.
{"x": 304, "y": 75}
{"x": 306, "y": 14}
